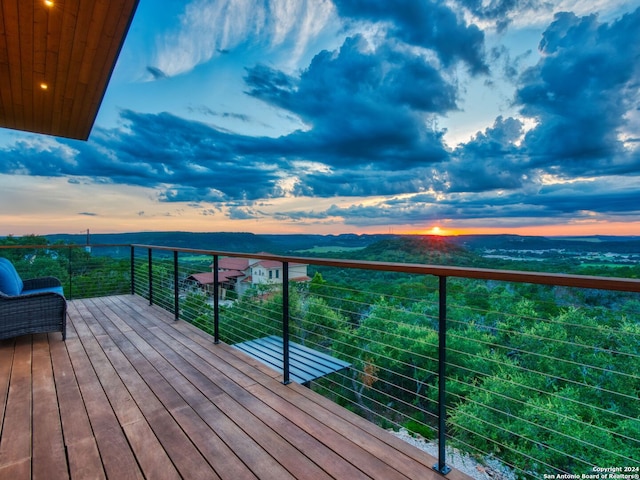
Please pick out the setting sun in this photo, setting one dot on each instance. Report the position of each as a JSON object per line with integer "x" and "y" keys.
{"x": 435, "y": 230}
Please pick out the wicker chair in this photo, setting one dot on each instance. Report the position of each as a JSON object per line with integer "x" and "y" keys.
{"x": 30, "y": 306}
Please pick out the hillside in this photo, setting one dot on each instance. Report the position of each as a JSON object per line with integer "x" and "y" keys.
{"x": 222, "y": 241}
{"x": 622, "y": 244}
{"x": 414, "y": 249}
{"x": 559, "y": 254}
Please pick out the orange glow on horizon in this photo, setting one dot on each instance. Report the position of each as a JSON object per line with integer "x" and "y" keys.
{"x": 435, "y": 230}
{"x": 565, "y": 230}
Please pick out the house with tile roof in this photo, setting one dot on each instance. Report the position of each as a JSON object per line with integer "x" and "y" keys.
{"x": 241, "y": 274}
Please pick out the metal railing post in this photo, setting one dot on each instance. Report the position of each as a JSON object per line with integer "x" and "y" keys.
{"x": 441, "y": 466}
{"x": 70, "y": 268}
{"x": 285, "y": 323}
{"x": 133, "y": 270}
{"x": 176, "y": 296}
{"x": 216, "y": 302}
{"x": 150, "y": 260}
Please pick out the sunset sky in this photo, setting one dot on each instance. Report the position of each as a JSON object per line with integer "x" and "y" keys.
{"x": 362, "y": 116}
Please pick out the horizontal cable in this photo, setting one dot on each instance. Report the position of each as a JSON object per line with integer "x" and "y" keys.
{"x": 515, "y": 383}
{"x": 548, "y": 429}
{"x": 532, "y": 460}
{"x": 547, "y": 411}
{"x": 539, "y": 408}
{"x": 517, "y": 435}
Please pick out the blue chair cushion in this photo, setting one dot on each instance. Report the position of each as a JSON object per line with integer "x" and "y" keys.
{"x": 57, "y": 290}
{"x": 10, "y": 281}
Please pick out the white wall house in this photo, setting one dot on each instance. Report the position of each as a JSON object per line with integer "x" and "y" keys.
{"x": 268, "y": 272}
{"x": 241, "y": 274}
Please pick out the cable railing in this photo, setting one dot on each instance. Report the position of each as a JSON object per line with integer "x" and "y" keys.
{"x": 539, "y": 371}
{"x": 85, "y": 271}
{"x": 547, "y": 385}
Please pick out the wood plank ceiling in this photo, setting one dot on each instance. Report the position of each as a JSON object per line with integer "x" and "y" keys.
{"x": 56, "y": 59}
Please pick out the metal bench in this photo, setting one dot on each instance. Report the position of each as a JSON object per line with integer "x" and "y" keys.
{"x": 305, "y": 364}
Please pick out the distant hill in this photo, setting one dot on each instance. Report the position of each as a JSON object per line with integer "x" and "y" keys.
{"x": 227, "y": 241}
{"x": 222, "y": 241}
{"x": 304, "y": 242}
{"x": 412, "y": 248}
{"x": 622, "y": 244}
{"x": 432, "y": 250}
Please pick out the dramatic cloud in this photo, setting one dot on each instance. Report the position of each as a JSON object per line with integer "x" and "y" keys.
{"x": 580, "y": 93}
{"x": 370, "y": 109}
{"x": 210, "y": 27}
{"x": 502, "y": 11}
{"x": 364, "y": 106}
{"x": 429, "y": 24}
{"x": 193, "y": 162}
{"x": 589, "y": 199}
{"x": 581, "y": 96}
{"x": 491, "y": 160}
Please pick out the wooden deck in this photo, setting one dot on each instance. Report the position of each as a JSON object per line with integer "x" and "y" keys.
{"x": 133, "y": 394}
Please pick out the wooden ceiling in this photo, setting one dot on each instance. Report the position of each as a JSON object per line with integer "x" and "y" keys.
{"x": 68, "y": 46}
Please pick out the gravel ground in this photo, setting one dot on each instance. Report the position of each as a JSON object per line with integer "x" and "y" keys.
{"x": 480, "y": 470}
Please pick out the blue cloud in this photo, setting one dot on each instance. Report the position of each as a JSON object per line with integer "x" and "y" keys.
{"x": 370, "y": 111}
{"x": 430, "y": 24}
{"x": 558, "y": 203}
{"x": 580, "y": 91}
{"x": 500, "y": 10}
{"x": 491, "y": 160}
{"x": 364, "y": 106}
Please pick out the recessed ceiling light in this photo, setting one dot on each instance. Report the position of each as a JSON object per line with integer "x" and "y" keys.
{"x": 44, "y": 86}
{"x": 48, "y": 3}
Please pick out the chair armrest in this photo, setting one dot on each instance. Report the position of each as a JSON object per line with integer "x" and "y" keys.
{"x": 42, "y": 282}
{"x": 31, "y": 299}
{"x": 34, "y": 313}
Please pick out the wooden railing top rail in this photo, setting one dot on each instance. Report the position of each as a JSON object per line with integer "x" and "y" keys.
{"x": 540, "y": 278}
{"x": 565, "y": 280}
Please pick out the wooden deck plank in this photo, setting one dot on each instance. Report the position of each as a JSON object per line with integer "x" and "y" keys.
{"x": 158, "y": 442}
{"x": 16, "y": 471}
{"x": 119, "y": 397}
{"x": 253, "y": 453}
{"x": 223, "y": 457}
{"x": 211, "y": 383}
{"x": 6, "y": 361}
{"x": 306, "y": 444}
{"x": 348, "y": 449}
{"x": 15, "y": 444}
{"x": 347, "y": 445}
{"x": 150, "y": 363}
{"x": 82, "y": 449}
{"x": 134, "y": 394}
{"x": 48, "y": 444}
{"x": 342, "y": 420}
{"x": 117, "y": 458}
{"x": 84, "y": 458}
